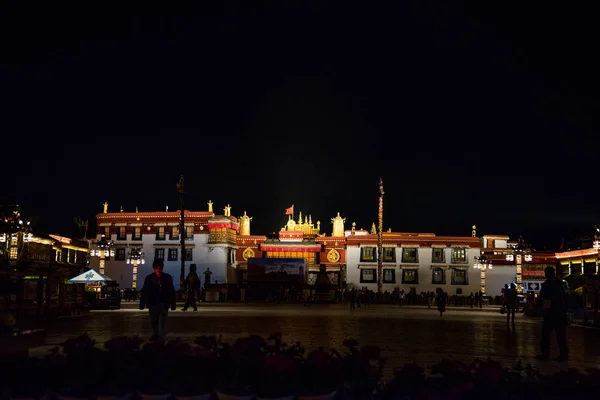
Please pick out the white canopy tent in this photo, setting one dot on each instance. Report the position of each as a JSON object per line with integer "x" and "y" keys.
{"x": 91, "y": 276}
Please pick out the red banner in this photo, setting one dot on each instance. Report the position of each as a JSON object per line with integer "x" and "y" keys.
{"x": 533, "y": 274}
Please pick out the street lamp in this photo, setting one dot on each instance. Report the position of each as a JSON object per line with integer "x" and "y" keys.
{"x": 136, "y": 256}
{"x": 181, "y": 189}
{"x": 483, "y": 264}
{"x": 15, "y": 232}
{"x": 519, "y": 254}
{"x": 103, "y": 250}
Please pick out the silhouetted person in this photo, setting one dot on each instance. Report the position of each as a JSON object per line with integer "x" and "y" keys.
{"x": 441, "y": 302}
{"x": 552, "y": 297}
{"x": 192, "y": 286}
{"x": 158, "y": 294}
{"x": 511, "y": 303}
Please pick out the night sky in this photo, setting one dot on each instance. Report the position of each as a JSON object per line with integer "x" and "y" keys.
{"x": 471, "y": 115}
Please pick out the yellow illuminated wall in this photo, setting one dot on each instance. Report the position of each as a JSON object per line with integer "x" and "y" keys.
{"x": 309, "y": 257}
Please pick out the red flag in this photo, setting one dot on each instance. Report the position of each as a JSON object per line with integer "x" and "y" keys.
{"x": 562, "y": 244}
{"x": 289, "y": 211}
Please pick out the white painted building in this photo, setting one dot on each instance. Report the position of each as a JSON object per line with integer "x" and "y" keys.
{"x": 420, "y": 261}
{"x": 210, "y": 244}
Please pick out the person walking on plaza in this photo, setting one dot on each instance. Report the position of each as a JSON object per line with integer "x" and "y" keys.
{"x": 158, "y": 294}
{"x": 552, "y": 297}
{"x": 192, "y": 286}
{"x": 441, "y": 302}
{"x": 511, "y": 303}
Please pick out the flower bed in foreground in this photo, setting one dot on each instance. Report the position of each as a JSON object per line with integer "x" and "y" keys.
{"x": 267, "y": 368}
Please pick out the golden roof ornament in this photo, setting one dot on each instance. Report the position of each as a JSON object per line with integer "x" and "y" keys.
{"x": 121, "y": 208}
{"x": 136, "y": 209}
{"x": 373, "y": 229}
{"x": 227, "y": 211}
{"x": 210, "y": 204}
{"x": 338, "y": 226}
{"x": 300, "y": 218}
{"x": 245, "y": 225}
{"x": 105, "y": 207}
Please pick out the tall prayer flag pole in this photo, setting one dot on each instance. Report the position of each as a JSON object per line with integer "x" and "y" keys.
{"x": 380, "y": 241}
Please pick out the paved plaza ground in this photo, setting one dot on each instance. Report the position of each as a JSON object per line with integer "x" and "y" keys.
{"x": 405, "y": 334}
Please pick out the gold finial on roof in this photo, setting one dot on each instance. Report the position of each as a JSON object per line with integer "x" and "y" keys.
{"x": 300, "y": 218}
{"x": 373, "y": 229}
{"x": 136, "y": 209}
{"x": 227, "y": 211}
{"x": 210, "y": 204}
{"x": 121, "y": 208}
{"x": 474, "y": 231}
{"x": 306, "y": 219}
{"x": 310, "y": 219}
{"x": 105, "y": 207}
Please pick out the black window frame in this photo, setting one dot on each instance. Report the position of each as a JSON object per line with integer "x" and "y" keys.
{"x": 171, "y": 257}
{"x": 453, "y": 279}
{"x": 393, "y": 273}
{"x": 120, "y": 254}
{"x": 134, "y": 231}
{"x": 405, "y": 259}
{"x": 437, "y": 260}
{"x": 392, "y": 251}
{"x": 159, "y": 253}
{"x": 410, "y": 282}
{"x": 174, "y": 236}
{"x": 372, "y": 250}
{"x": 362, "y": 278}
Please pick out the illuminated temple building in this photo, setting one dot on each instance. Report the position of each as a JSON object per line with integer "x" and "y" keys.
{"x": 224, "y": 243}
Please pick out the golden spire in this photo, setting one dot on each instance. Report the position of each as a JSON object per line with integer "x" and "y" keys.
{"x": 121, "y": 208}
{"x": 318, "y": 226}
{"x": 373, "y": 229}
{"x": 474, "y": 231}
{"x": 310, "y": 219}
{"x": 300, "y": 218}
{"x": 306, "y": 220}
{"x": 136, "y": 209}
{"x": 105, "y": 207}
{"x": 210, "y": 204}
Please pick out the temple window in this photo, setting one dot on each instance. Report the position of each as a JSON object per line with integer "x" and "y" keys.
{"x": 137, "y": 233}
{"x": 159, "y": 253}
{"x": 120, "y": 254}
{"x": 438, "y": 255}
{"x": 576, "y": 267}
{"x": 122, "y": 233}
{"x": 410, "y": 255}
{"x": 410, "y": 276}
{"x": 173, "y": 254}
{"x": 459, "y": 255}
{"x": 460, "y": 277}
{"x": 107, "y": 232}
{"x": 389, "y": 276}
{"x": 389, "y": 254}
{"x": 160, "y": 233}
{"x": 188, "y": 254}
{"x": 438, "y": 276}
{"x": 189, "y": 232}
{"x": 367, "y": 254}
{"x": 368, "y": 275}
{"x": 174, "y": 234}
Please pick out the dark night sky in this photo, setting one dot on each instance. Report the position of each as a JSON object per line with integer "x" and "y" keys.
{"x": 470, "y": 114}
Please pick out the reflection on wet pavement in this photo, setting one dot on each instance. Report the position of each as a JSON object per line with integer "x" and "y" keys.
{"x": 404, "y": 334}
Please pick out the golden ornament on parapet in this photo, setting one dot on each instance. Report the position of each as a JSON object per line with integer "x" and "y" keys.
{"x": 333, "y": 256}
{"x": 248, "y": 253}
